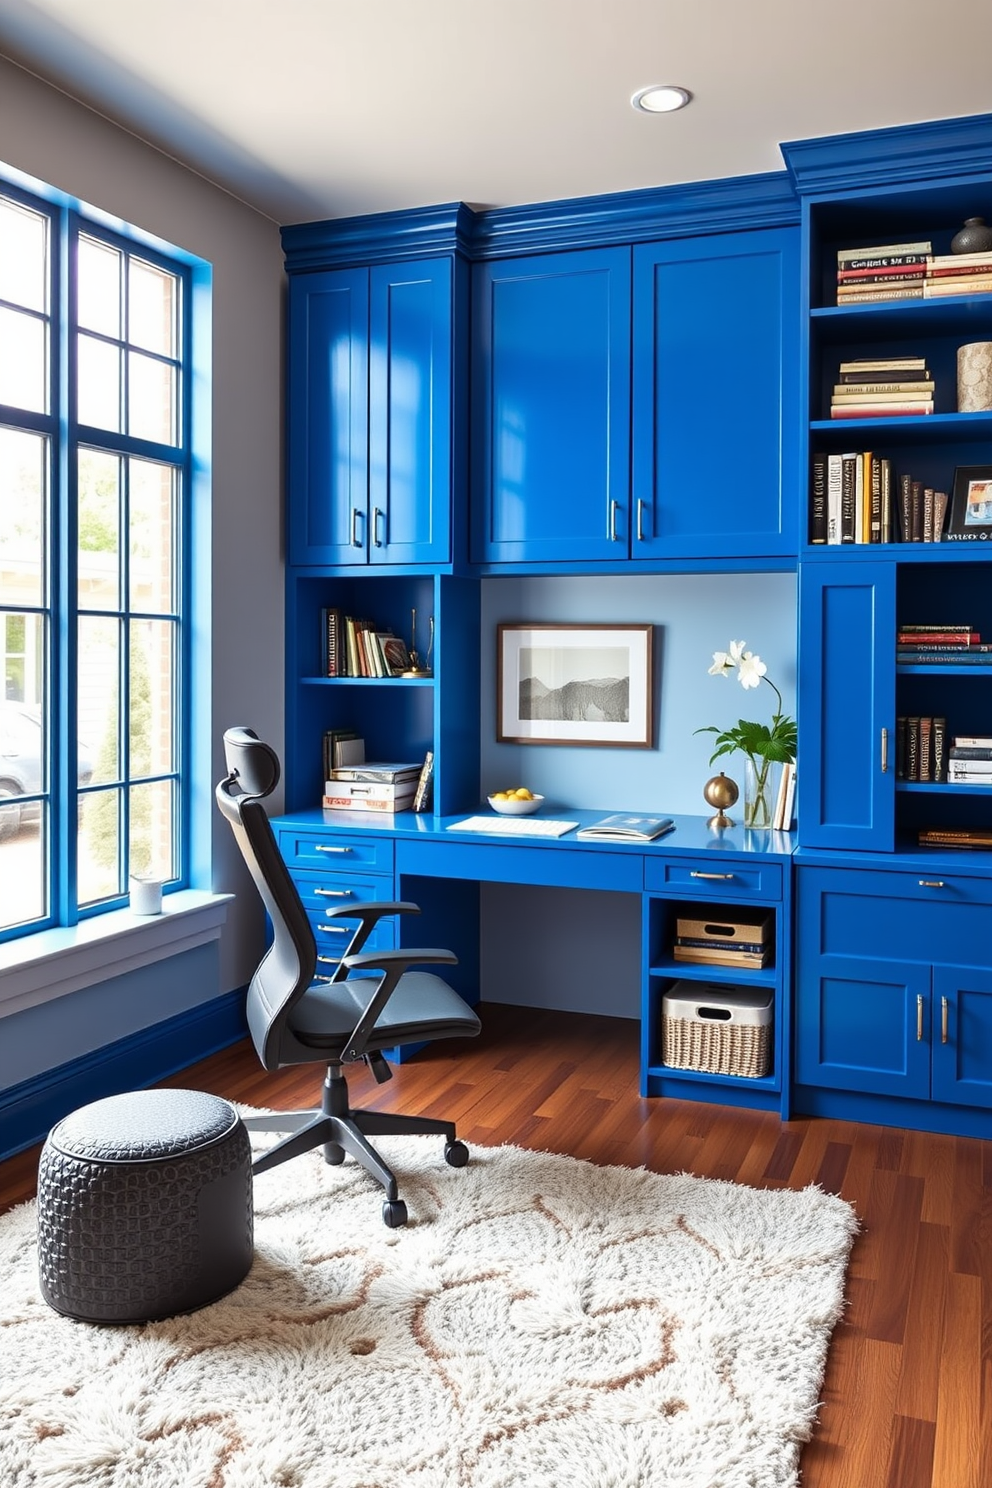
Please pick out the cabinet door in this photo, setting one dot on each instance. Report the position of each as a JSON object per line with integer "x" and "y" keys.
{"x": 328, "y": 417}
{"x": 864, "y": 1025}
{"x": 715, "y": 411}
{"x": 962, "y": 1034}
{"x": 410, "y": 375}
{"x": 847, "y": 705}
{"x": 551, "y": 408}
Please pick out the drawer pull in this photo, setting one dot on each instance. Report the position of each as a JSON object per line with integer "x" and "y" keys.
{"x": 328, "y": 960}
{"x": 693, "y": 874}
{"x": 931, "y": 883}
{"x": 333, "y": 930}
{"x": 333, "y": 893}
{"x": 943, "y": 1020}
{"x": 919, "y": 1017}
{"x": 323, "y": 847}
{"x": 319, "y": 978}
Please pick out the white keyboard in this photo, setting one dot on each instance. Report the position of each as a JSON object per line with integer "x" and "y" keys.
{"x": 514, "y": 826}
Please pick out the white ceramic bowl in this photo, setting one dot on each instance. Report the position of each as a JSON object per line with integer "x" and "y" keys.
{"x": 516, "y": 808}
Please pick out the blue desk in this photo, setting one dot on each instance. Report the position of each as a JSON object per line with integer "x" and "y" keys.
{"x": 336, "y": 855}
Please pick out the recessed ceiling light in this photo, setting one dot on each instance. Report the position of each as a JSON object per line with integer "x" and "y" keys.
{"x": 660, "y": 98}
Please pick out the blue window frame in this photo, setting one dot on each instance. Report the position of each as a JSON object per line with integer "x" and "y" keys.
{"x": 96, "y": 480}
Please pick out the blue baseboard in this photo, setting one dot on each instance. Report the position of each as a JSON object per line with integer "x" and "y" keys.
{"x": 29, "y": 1111}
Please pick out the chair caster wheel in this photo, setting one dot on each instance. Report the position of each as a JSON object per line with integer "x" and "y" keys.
{"x": 394, "y": 1213}
{"x": 455, "y": 1154}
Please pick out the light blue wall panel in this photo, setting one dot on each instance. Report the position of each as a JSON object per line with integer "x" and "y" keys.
{"x": 576, "y": 950}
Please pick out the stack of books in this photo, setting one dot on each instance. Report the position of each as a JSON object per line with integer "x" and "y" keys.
{"x": 958, "y": 274}
{"x": 956, "y": 837}
{"x": 744, "y": 941}
{"x": 882, "y": 387}
{"x": 372, "y": 787}
{"x": 786, "y": 800}
{"x": 941, "y": 645}
{"x": 892, "y": 271}
{"x": 921, "y": 749}
{"x": 970, "y": 761}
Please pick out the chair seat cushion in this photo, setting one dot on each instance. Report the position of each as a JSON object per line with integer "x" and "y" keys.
{"x": 423, "y": 1006}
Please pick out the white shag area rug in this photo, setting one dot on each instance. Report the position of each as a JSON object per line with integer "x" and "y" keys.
{"x": 541, "y": 1322}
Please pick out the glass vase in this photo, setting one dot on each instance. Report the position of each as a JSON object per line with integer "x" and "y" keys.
{"x": 759, "y": 792}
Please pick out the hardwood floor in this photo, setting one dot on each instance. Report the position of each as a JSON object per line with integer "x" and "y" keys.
{"x": 907, "y": 1399}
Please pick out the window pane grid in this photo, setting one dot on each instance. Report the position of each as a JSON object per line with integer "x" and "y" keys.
{"x": 107, "y": 795}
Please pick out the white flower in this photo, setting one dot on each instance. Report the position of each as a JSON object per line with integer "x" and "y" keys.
{"x": 751, "y": 670}
{"x": 722, "y": 664}
{"x": 737, "y": 651}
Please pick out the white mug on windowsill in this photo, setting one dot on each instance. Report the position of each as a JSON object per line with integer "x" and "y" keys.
{"x": 146, "y": 896}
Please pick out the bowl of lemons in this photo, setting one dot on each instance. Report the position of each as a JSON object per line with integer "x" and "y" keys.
{"x": 519, "y": 802}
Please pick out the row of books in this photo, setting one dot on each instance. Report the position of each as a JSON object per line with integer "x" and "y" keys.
{"x": 882, "y": 387}
{"x": 380, "y": 786}
{"x": 785, "y": 801}
{"x": 353, "y": 647}
{"x": 909, "y": 271}
{"x": 857, "y": 498}
{"x": 744, "y": 941}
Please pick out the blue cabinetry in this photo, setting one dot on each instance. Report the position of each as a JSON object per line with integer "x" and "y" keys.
{"x": 689, "y": 348}
{"x": 370, "y": 414}
{"x": 894, "y": 996}
{"x": 716, "y": 395}
{"x": 551, "y": 408}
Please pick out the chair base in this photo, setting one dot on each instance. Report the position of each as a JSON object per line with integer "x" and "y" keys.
{"x": 343, "y": 1131}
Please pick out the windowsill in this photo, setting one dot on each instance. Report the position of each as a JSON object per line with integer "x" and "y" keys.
{"x": 42, "y": 967}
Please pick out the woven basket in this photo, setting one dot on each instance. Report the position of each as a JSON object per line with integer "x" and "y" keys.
{"x": 718, "y": 1029}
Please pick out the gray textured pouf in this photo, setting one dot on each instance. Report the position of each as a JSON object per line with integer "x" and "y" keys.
{"x": 144, "y": 1206}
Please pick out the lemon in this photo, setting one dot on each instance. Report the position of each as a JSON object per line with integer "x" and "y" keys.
{"x": 500, "y": 796}
{"x": 522, "y": 794}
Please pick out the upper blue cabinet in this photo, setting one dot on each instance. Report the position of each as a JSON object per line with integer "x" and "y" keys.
{"x": 716, "y": 387}
{"x": 371, "y": 366}
{"x": 637, "y": 404}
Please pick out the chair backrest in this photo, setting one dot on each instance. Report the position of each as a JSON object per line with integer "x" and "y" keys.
{"x": 287, "y": 968}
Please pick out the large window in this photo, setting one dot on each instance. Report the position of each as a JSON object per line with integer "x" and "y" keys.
{"x": 95, "y": 389}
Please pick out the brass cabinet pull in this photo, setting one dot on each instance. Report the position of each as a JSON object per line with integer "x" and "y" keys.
{"x": 640, "y": 521}
{"x": 931, "y": 883}
{"x": 377, "y": 516}
{"x": 885, "y": 751}
{"x": 943, "y": 1020}
{"x": 333, "y": 893}
{"x": 694, "y": 874}
{"x": 919, "y": 1017}
{"x": 612, "y": 529}
{"x": 322, "y": 847}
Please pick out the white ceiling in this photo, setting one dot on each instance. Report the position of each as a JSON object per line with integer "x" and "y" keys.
{"x": 309, "y": 109}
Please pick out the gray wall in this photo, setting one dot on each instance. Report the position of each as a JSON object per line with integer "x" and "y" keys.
{"x": 56, "y": 140}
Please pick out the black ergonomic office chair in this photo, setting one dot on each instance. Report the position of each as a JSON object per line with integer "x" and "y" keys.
{"x": 297, "y": 1017}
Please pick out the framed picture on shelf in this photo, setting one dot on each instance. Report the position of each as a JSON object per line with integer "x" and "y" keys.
{"x": 396, "y": 656}
{"x": 574, "y": 684}
{"x": 971, "y": 504}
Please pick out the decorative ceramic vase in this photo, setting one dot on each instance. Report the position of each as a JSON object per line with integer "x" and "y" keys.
{"x": 759, "y": 794}
{"x": 975, "y": 377}
{"x": 974, "y": 237}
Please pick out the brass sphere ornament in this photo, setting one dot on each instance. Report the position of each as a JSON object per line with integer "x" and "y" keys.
{"x": 721, "y": 792}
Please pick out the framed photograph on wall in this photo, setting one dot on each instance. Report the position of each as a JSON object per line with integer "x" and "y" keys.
{"x": 574, "y": 684}
{"x": 971, "y": 504}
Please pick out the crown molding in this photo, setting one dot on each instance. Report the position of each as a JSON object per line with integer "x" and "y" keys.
{"x": 939, "y": 150}
{"x": 729, "y": 205}
{"x": 381, "y": 237}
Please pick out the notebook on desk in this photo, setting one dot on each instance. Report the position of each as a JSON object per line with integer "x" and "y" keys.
{"x": 514, "y": 826}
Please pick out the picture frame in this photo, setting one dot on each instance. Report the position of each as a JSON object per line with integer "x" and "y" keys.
{"x": 575, "y": 684}
{"x": 971, "y": 505}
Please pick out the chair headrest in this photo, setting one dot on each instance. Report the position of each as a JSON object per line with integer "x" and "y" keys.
{"x": 253, "y": 764}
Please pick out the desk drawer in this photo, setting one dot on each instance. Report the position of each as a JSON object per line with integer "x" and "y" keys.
{"x": 335, "y": 852}
{"x": 709, "y": 877}
{"x": 321, "y": 892}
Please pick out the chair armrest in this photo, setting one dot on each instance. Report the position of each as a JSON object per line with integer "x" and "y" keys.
{"x": 383, "y": 960}
{"x": 392, "y": 964}
{"x": 369, "y": 910}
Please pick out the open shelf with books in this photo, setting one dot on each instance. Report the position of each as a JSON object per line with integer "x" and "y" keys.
{"x": 400, "y": 716}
